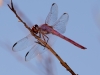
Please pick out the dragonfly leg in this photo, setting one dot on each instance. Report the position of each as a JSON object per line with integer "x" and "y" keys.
{"x": 39, "y": 43}
{"x": 43, "y": 35}
{"x": 39, "y": 34}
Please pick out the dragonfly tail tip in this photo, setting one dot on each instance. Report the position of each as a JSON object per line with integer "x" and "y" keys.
{"x": 84, "y": 48}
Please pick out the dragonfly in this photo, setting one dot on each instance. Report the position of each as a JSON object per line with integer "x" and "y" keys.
{"x": 51, "y": 26}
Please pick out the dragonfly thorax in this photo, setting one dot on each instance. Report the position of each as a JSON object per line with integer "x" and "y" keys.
{"x": 45, "y": 28}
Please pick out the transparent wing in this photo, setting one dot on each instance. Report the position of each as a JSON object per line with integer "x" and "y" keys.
{"x": 53, "y": 15}
{"x": 23, "y": 43}
{"x": 60, "y": 25}
{"x": 34, "y": 51}
{"x": 37, "y": 49}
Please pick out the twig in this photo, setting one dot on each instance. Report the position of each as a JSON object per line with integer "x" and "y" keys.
{"x": 41, "y": 42}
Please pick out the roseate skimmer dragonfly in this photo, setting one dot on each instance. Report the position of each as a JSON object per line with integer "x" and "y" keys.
{"x": 51, "y": 26}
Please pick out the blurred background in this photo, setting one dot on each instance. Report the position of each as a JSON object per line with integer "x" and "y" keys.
{"x": 83, "y": 27}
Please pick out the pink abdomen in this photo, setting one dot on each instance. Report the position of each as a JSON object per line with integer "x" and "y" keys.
{"x": 67, "y": 39}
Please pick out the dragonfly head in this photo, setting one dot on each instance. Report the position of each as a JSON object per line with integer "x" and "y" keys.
{"x": 35, "y": 28}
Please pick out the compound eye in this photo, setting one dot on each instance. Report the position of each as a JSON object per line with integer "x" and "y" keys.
{"x": 36, "y": 25}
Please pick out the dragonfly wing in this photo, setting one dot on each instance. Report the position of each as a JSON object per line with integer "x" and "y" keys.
{"x": 34, "y": 51}
{"x": 38, "y": 49}
{"x": 60, "y": 25}
{"x": 23, "y": 43}
{"x": 53, "y": 15}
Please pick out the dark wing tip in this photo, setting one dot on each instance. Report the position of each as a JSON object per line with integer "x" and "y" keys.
{"x": 65, "y": 13}
{"x": 53, "y": 4}
{"x": 14, "y": 46}
{"x": 26, "y": 55}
